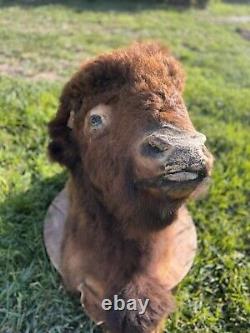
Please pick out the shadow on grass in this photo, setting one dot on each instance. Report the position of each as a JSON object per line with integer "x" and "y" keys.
{"x": 23, "y": 213}
{"x": 28, "y": 276}
{"x": 97, "y": 5}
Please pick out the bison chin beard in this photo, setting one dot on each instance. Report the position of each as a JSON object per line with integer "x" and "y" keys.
{"x": 137, "y": 211}
{"x": 152, "y": 208}
{"x": 125, "y": 207}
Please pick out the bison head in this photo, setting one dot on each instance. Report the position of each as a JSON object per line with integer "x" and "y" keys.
{"x": 123, "y": 131}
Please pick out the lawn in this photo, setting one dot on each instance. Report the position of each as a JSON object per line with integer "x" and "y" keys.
{"x": 41, "y": 45}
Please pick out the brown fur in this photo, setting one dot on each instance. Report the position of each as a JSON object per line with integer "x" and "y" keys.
{"x": 113, "y": 229}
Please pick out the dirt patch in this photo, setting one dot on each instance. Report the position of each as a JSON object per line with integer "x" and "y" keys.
{"x": 48, "y": 76}
{"x": 18, "y": 71}
{"x": 10, "y": 70}
{"x": 233, "y": 19}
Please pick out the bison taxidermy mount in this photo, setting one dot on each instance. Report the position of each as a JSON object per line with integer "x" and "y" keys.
{"x": 123, "y": 132}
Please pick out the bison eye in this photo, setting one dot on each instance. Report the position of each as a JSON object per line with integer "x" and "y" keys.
{"x": 95, "y": 120}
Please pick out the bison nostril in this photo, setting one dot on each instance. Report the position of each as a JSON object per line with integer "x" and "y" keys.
{"x": 155, "y": 149}
{"x": 158, "y": 143}
{"x": 154, "y": 146}
{"x": 150, "y": 151}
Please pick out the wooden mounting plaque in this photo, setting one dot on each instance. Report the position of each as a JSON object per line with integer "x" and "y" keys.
{"x": 181, "y": 235}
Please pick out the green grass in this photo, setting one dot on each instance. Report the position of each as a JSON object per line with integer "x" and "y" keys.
{"x": 41, "y": 45}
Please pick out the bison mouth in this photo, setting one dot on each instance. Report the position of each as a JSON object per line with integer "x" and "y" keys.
{"x": 182, "y": 179}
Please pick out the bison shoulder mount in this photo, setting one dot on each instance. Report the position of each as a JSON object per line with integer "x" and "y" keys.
{"x": 134, "y": 158}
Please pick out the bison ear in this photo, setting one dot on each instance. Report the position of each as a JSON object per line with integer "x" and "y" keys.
{"x": 63, "y": 147}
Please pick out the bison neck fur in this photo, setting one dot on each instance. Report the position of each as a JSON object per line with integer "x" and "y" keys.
{"x": 117, "y": 257}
